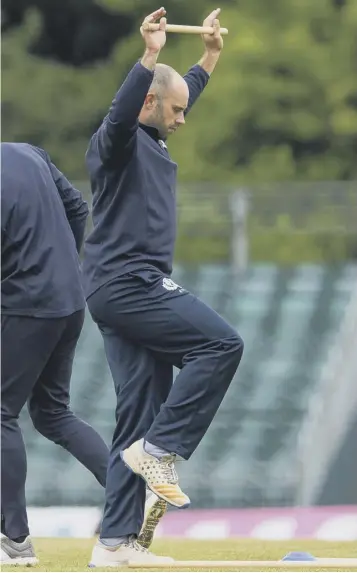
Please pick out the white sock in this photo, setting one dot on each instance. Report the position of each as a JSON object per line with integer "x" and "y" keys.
{"x": 155, "y": 450}
{"x": 114, "y": 541}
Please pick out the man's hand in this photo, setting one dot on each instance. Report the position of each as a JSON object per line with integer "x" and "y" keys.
{"x": 154, "y": 40}
{"x": 213, "y": 42}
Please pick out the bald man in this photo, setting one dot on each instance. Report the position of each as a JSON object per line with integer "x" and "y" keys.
{"x": 149, "y": 324}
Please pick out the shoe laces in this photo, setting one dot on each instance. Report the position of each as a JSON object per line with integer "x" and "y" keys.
{"x": 134, "y": 544}
{"x": 168, "y": 468}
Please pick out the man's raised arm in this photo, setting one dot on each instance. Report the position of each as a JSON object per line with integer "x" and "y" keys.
{"x": 197, "y": 77}
{"x": 117, "y": 132}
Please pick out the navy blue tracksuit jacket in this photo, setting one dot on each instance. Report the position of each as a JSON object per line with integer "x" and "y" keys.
{"x": 42, "y": 228}
{"x": 133, "y": 183}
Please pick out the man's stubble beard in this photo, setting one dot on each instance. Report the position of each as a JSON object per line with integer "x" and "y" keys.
{"x": 158, "y": 118}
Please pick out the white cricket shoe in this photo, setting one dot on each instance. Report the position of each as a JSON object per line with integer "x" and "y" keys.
{"x": 130, "y": 553}
{"x": 159, "y": 474}
{"x": 155, "y": 509}
{"x": 13, "y": 553}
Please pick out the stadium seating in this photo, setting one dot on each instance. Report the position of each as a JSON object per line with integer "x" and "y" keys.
{"x": 287, "y": 318}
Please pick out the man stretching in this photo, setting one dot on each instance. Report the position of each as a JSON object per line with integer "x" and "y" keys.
{"x": 149, "y": 324}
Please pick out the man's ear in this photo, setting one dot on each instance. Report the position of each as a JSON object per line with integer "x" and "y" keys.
{"x": 149, "y": 101}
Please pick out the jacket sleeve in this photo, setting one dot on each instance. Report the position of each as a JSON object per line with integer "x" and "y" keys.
{"x": 116, "y": 134}
{"x": 196, "y": 79}
{"x": 75, "y": 206}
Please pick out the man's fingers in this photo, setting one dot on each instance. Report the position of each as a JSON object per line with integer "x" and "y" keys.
{"x": 157, "y": 12}
{"x": 155, "y": 15}
{"x": 214, "y": 14}
{"x": 211, "y": 17}
{"x": 217, "y": 28}
{"x": 162, "y": 24}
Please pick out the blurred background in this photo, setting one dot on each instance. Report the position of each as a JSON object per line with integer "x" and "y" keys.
{"x": 267, "y": 236}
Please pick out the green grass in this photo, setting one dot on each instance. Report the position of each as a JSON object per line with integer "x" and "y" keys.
{"x": 74, "y": 554}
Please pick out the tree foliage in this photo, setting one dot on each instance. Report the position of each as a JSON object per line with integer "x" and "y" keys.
{"x": 281, "y": 106}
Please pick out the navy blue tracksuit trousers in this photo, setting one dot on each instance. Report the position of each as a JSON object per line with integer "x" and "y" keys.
{"x": 149, "y": 325}
{"x": 37, "y": 357}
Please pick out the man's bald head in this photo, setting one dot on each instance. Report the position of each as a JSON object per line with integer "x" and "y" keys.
{"x": 164, "y": 78}
{"x": 166, "y": 101}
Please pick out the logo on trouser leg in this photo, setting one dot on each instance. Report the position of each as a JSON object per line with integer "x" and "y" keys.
{"x": 169, "y": 284}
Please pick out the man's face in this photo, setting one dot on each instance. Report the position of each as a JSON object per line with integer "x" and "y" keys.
{"x": 168, "y": 110}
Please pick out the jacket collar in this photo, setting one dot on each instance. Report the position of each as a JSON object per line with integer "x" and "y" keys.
{"x": 152, "y": 131}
